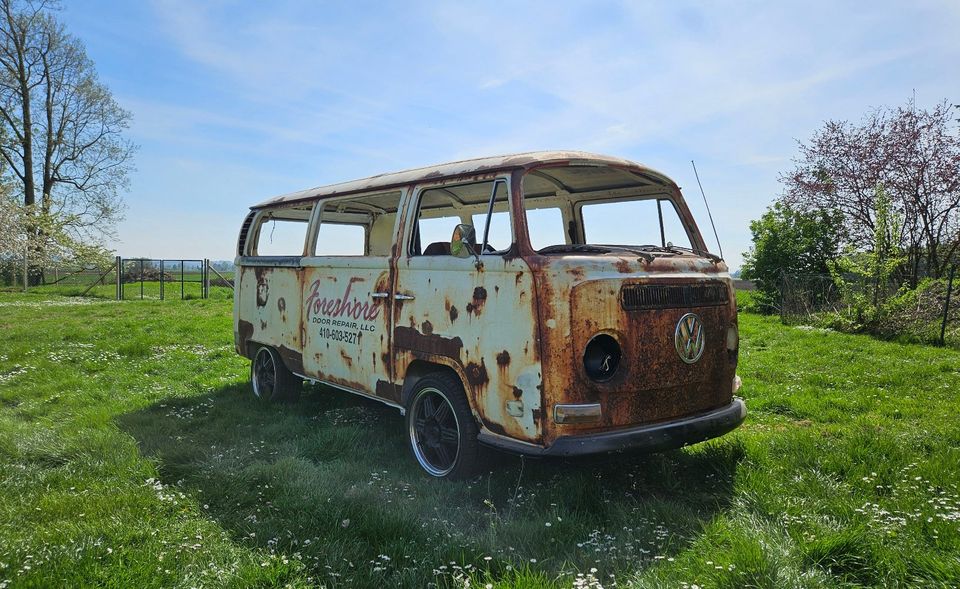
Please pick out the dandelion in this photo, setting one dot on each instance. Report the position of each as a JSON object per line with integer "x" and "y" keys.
{"x": 345, "y": 523}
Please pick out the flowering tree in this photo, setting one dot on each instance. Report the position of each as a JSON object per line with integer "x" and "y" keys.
{"x": 914, "y": 155}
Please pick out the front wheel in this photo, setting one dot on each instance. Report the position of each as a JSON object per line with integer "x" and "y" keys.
{"x": 441, "y": 428}
{"x": 270, "y": 379}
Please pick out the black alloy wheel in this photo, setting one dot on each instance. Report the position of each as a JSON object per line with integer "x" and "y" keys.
{"x": 441, "y": 428}
{"x": 270, "y": 378}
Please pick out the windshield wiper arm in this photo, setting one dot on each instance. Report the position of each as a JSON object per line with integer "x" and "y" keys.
{"x": 699, "y": 252}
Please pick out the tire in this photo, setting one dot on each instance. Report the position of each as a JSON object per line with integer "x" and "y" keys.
{"x": 441, "y": 429}
{"x": 270, "y": 379}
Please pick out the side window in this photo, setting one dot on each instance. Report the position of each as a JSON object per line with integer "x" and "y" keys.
{"x": 341, "y": 239}
{"x": 442, "y": 209}
{"x": 282, "y": 232}
{"x": 357, "y": 226}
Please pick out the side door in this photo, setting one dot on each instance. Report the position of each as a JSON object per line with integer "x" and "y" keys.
{"x": 472, "y": 315}
{"x": 347, "y": 315}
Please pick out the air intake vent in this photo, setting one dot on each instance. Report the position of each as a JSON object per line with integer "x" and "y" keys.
{"x": 636, "y": 297}
{"x": 244, "y": 231}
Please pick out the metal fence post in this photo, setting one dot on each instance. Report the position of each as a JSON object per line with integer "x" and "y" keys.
{"x": 946, "y": 307}
{"x": 119, "y": 278}
{"x": 161, "y": 278}
{"x": 206, "y": 278}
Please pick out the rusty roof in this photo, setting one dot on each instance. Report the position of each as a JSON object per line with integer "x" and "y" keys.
{"x": 468, "y": 167}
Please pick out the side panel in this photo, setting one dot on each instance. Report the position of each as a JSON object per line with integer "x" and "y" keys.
{"x": 268, "y": 302}
{"x": 346, "y": 324}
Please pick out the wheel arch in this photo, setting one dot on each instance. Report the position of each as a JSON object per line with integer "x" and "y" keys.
{"x": 420, "y": 368}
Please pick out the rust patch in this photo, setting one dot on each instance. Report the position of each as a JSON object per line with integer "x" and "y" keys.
{"x": 576, "y": 272}
{"x": 388, "y": 390}
{"x": 495, "y": 427}
{"x": 292, "y": 359}
{"x": 263, "y": 325}
{"x": 453, "y": 313}
{"x": 410, "y": 339}
{"x": 536, "y": 416}
{"x": 346, "y": 358}
{"x": 623, "y": 267}
{"x": 479, "y": 298}
{"x": 427, "y": 328}
{"x": 503, "y": 359}
{"x": 244, "y": 333}
{"x": 477, "y": 373}
{"x": 385, "y": 358}
{"x": 263, "y": 287}
{"x": 517, "y": 392}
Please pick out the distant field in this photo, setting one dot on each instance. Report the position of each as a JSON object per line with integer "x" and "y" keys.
{"x": 132, "y": 454}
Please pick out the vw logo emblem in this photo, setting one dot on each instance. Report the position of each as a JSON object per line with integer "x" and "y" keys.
{"x": 688, "y": 338}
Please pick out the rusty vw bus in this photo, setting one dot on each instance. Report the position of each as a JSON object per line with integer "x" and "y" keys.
{"x": 548, "y": 303}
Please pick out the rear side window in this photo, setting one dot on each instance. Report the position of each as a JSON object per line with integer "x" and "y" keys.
{"x": 282, "y": 232}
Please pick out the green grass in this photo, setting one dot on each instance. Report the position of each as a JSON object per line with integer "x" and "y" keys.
{"x": 132, "y": 455}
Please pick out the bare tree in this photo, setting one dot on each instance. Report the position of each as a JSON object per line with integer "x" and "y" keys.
{"x": 911, "y": 154}
{"x": 61, "y": 131}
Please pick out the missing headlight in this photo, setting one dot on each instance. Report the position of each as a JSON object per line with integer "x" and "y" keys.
{"x": 602, "y": 357}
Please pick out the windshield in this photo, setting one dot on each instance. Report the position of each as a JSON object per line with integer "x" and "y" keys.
{"x": 650, "y": 222}
{"x": 587, "y": 208}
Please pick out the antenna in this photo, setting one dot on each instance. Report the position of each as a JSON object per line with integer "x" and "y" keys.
{"x": 709, "y": 214}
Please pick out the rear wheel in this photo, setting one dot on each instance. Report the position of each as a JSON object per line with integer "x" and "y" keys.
{"x": 270, "y": 379}
{"x": 441, "y": 428}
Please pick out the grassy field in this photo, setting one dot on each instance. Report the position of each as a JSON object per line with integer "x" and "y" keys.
{"x": 132, "y": 455}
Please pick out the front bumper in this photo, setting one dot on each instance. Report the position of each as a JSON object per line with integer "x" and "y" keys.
{"x": 648, "y": 438}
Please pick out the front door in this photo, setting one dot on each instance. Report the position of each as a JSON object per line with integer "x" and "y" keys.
{"x": 479, "y": 321}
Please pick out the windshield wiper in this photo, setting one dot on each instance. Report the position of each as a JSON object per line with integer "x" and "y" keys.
{"x": 576, "y": 248}
{"x": 705, "y": 254}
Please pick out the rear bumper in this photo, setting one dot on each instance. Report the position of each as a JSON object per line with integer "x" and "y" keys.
{"x": 649, "y": 438}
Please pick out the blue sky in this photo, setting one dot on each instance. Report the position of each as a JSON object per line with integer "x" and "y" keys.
{"x": 234, "y": 102}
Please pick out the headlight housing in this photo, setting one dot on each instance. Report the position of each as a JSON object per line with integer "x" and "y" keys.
{"x": 601, "y": 358}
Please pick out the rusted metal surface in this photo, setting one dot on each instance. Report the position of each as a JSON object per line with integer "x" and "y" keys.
{"x": 513, "y": 328}
{"x": 461, "y": 169}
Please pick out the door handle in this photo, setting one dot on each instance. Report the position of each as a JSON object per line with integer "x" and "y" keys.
{"x": 379, "y": 295}
{"x": 403, "y": 297}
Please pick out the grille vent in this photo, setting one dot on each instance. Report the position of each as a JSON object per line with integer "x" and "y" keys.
{"x": 637, "y": 297}
{"x": 244, "y": 233}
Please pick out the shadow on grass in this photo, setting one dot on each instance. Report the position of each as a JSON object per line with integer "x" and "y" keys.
{"x": 330, "y": 480}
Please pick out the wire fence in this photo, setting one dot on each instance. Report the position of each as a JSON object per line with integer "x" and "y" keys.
{"x": 929, "y": 313}
{"x": 124, "y": 279}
